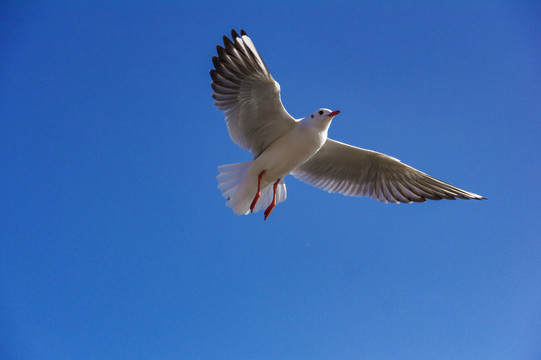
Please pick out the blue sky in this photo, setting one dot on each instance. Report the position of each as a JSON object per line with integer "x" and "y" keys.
{"x": 116, "y": 244}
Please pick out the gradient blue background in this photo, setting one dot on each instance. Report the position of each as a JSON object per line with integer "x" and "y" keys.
{"x": 116, "y": 244}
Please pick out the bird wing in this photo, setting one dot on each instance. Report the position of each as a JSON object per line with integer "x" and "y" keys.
{"x": 350, "y": 170}
{"x": 248, "y": 95}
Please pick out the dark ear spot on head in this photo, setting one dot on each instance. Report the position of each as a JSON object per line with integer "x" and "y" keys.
{"x": 312, "y": 116}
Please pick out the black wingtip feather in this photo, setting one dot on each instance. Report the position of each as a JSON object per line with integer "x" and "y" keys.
{"x": 234, "y": 34}
{"x": 222, "y": 53}
{"x": 242, "y": 32}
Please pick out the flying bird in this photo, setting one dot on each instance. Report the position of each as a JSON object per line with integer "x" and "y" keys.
{"x": 280, "y": 144}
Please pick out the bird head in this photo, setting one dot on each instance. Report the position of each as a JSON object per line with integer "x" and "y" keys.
{"x": 322, "y": 117}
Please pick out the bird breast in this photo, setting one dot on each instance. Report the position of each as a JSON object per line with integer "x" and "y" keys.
{"x": 289, "y": 152}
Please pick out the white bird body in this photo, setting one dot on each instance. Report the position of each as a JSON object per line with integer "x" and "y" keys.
{"x": 290, "y": 151}
{"x": 283, "y": 156}
{"x": 281, "y": 145}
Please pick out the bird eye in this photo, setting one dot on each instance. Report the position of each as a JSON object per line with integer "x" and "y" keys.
{"x": 320, "y": 112}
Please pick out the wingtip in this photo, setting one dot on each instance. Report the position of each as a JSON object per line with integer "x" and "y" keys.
{"x": 234, "y": 34}
{"x": 222, "y": 53}
{"x": 227, "y": 41}
{"x": 476, "y": 197}
{"x": 243, "y": 33}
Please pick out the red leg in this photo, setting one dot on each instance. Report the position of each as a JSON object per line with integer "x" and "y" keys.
{"x": 273, "y": 203}
{"x": 258, "y": 194}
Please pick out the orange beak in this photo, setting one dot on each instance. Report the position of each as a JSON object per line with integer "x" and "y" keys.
{"x": 334, "y": 113}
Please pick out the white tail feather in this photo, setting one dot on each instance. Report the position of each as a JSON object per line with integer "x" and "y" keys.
{"x": 239, "y": 190}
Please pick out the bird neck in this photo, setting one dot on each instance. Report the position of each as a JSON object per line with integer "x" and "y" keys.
{"x": 320, "y": 125}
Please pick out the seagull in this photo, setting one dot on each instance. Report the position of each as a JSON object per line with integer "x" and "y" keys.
{"x": 280, "y": 144}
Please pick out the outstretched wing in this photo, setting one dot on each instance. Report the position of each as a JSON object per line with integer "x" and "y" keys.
{"x": 350, "y": 170}
{"x": 248, "y": 95}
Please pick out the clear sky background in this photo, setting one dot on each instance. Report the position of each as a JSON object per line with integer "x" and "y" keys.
{"x": 116, "y": 244}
